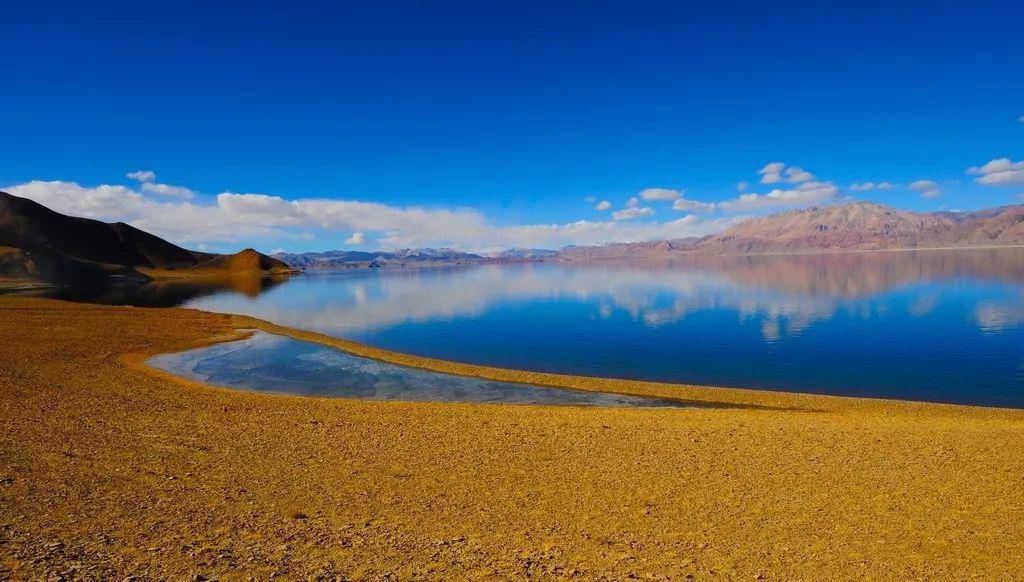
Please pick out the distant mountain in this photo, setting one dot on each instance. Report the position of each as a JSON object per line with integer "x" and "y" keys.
{"x": 331, "y": 260}
{"x": 658, "y": 248}
{"x": 521, "y": 254}
{"x": 410, "y": 258}
{"x": 853, "y": 226}
{"x": 42, "y": 245}
{"x": 865, "y": 225}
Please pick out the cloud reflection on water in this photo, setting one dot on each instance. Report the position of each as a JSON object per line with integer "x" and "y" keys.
{"x": 782, "y": 295}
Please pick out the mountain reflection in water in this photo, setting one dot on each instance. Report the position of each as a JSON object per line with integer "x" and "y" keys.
{"x": 802, "y": 287}
{"x": 164, "y": 293}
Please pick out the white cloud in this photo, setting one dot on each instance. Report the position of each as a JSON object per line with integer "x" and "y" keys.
{"x": 257, "y": 205}
{"x": 806, "y": 194}
{"x": 631, "y": 213}
{"x": 147, "y": 182}
{"x": 603, "y": 205}
{"x": 104, "y": 202}
{"x": 661, "y": 194}
{"x": 168, "y": 190}
{"x": 797, "y": 175}
{"x": 771, "y": 173}
{"x": 590, "y": 198}
{"x": 278, "y": 251}
{"x": 927, "y": 188}
{"x": 742, "y": 186}
{"x": 234, "y": 219}
{"x": 142, "y": 176}
{"x": 776, "y": 172}
{"x": 1021, "y": 119}
{"x": 693, "y": 205}
{"x": 999, "y": 172}
{"x": 869, "y": 186}
{"x": 356, "y": 239}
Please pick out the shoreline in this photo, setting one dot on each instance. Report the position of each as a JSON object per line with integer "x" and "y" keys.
{"x": 698, "y": 394}
{"x": 108, "y": 470}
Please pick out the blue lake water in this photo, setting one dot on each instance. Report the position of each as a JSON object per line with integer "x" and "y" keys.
{"x": 270, "y": 363}
{"x": 943, "y": 326}
{"x": 929, "y": 325}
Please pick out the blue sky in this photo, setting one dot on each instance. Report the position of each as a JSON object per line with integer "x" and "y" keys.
{"x": 495, "y": 124}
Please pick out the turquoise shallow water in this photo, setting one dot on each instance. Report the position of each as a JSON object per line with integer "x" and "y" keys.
{"x": 943, "y": 326}
{"x": 271, "y": 363}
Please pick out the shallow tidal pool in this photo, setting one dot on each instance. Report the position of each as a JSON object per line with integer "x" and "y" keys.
{"x": 269, "y": 363}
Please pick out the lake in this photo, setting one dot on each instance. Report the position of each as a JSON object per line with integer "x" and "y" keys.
{"x": 944, "y": 326}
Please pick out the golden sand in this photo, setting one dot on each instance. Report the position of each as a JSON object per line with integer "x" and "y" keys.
{"x": 110, "y": 469}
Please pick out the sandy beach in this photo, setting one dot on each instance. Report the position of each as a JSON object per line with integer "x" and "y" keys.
{"x": 109, "y": 469}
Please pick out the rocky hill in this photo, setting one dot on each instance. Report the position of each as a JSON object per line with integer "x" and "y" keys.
{"x": 41, "y": 245}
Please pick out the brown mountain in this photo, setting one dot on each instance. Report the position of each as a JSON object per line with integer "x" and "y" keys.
{"x": 866, "y": 225}
{"x": 42, "y": 245}
{"x": 853, "y": 226}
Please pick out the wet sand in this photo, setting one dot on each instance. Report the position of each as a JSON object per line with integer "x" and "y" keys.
{"x": 109, "y": 469}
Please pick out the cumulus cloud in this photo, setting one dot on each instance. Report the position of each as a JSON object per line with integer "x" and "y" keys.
{"x": 258, "y": 206}
{"x": 102, "y": 202}
{"x": 927, "y": 188}
{"x": 147, "y": 182}
{"x": 869, "y": 186}
{"x": 661, "y": 194}
{"x": 168, "y": 190}
{"x": 999, "y": 172}
{"x": 234, "y": 218}
{"x": 693, "y": 205}
{"x": 631, "y": 213}
{"x": 603, "y": 205}
{"x": 142, "y": 176}
{"x": 796, "y": 175}
{"x": 777, "y": 172}
{"x": 806, "y": 194}
{"x": 356, "y": 239}
{"x": 771, "y": 173}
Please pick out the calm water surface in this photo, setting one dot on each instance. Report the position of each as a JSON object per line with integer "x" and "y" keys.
{"x": 271, "y": 363}
{"x": 929, "y": 325}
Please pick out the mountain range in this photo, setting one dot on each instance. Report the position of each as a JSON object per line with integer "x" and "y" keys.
{"x": 331, "y": 260}
{"x": 38, "y": 245}
{"x": 41, "y": 246}
{"x": 852, "y": 226}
